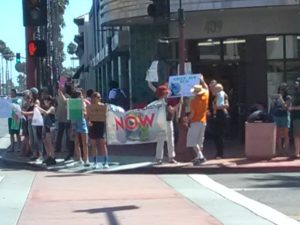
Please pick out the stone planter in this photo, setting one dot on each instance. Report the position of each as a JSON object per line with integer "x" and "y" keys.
{"x": 260, "y": 140}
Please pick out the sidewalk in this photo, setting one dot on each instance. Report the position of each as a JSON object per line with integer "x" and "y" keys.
{"x": 140, "y": 159}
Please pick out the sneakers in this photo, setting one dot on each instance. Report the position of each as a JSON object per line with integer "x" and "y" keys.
{"x": 51, "y": 162}
{"x": 95, "y": 166}
{"x": 159, "y": 161}
{"x": 86, "y": 164}
{"x": 173, "y": 161}
{"x": 69, "y": 157}
{"x": 198, "y": 161}
{"x": 105, "y": 166}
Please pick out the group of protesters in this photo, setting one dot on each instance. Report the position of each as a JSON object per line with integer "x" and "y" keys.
{"x": 207, "y": 100}
{"x": 285, "y": 111}
{"x": 42, "y": 140}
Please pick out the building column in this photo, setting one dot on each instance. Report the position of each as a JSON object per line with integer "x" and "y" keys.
{"x": 256, "y": 70}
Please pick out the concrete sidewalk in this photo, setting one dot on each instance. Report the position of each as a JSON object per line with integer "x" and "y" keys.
{"x": 136, "y": 199}
{"x": 140, "y": 159}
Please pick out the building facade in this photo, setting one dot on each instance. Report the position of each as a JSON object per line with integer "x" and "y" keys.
{"x": 250, "y": 46}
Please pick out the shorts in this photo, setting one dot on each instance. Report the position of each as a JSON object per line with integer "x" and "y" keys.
{"x": 81, "y": 126}
{"x": 195, "y": 135}
{"x": 13, "y": 131}
{"x": 97, "y": 130}
{"x": 281, "y": 121}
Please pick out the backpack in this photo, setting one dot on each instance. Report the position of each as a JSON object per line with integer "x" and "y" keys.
{"x": 120, "y": 99}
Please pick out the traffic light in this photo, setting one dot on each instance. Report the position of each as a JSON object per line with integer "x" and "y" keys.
{"x": 159, "y": 9}
{"x": 34, "y": 13}
{"x": 18, "y": 57}
{"x": 37, "y": 48}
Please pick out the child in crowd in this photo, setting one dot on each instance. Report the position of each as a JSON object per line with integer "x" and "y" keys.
{"x": 220, "y": 97}
{"x": 96, "y": 116}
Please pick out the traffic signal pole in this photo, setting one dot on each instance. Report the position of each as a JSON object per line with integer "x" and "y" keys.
{"x": 182, "y": 152}
{"x": 31, "y": 65}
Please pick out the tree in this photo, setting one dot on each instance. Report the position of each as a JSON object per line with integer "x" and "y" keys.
{"x": 21, "y": 79}
{"x": 71, "y": 48}
{"x": 56, "y": 11}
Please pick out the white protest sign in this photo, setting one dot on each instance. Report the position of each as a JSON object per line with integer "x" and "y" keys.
{"x": 17, "y": 110}
{"x": 152, "y": 75}
{"x": 180, "y": 86}
{"x": 5, "y": 109}
{"x": 37, "y": 119}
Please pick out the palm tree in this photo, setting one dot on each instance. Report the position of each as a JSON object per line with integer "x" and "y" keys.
{"x": 56, "y": 11}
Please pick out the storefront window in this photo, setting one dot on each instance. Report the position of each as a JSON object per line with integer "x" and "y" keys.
{"x": 210, "y": 49}
{"x": 292, "y": 71}
{"x": 274, "y": 47}
{"x": 292, "y": 43}
{"x": 233, "y": 48}
{"x": 275, "y": 77}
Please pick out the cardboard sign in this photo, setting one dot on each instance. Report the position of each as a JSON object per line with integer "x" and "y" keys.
{"x": 96, "y": 113}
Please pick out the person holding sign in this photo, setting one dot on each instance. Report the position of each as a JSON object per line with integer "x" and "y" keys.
{"x": 76, "y": 113}
{"x": 161, "y": 93}
{"x": 96, "y": 116}
{"x": 14, "y": 122}
{"x": 197, "y": 120}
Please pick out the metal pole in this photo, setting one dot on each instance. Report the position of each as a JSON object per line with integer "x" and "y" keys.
{"x": 181, "y": 41}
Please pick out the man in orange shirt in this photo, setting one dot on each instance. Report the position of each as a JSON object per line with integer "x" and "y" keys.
{"x": 197, "y": 119}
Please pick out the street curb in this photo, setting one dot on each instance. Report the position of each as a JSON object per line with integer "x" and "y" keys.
{"x": 165, "y": 169}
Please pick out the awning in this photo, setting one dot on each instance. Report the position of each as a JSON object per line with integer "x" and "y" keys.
{"x": 78, "y": 72}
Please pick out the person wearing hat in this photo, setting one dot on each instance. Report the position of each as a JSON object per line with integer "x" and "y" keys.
{"x": 161, "y": 93}
{"x": 197, "y": 120}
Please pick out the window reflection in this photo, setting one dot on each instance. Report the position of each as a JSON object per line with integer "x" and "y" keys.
{"x": 233, "y": 48}
{"x": 292, "y": 46}
{"x": 210, "y": 49}
{"x": 274, "y": 47}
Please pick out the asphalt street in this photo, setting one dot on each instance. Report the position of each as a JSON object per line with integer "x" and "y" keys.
{"x": 280, "y": 191}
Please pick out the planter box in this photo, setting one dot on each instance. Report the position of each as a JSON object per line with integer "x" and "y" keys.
{"x": 260, "y": 140}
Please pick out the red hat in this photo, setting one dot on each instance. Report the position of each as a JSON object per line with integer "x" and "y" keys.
{"x": 161, "y": 91}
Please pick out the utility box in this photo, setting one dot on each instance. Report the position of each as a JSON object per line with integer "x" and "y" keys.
{"x": 260, "y": 140}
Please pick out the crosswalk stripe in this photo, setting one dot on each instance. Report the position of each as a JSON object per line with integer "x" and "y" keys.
{"x": 258, "y": 208}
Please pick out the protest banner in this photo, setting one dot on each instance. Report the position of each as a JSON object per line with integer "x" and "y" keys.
{"x": 136, "y": 126}
{"x": 74, "y": 109}
{"x": 5, "y": 109}
{"x": 180, "y": 86}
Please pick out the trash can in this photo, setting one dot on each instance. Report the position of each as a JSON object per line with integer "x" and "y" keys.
{"x": 260, "y": 140}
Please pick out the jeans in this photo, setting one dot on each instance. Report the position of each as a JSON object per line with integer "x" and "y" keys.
{"x": 62, "y": 127}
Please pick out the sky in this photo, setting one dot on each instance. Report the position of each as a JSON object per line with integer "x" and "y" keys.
{"x": 13, "y": 32}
